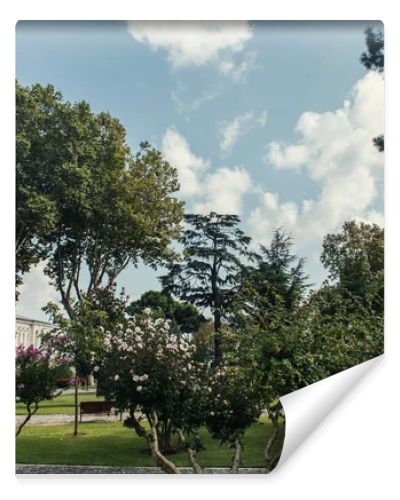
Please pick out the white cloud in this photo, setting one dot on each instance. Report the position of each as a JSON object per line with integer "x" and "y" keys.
{"x": 198, "y": 43}
{"x": 262, "y": 118}
{"x": 188, "y": 106}
{"x": 176, "y": 150}
{"x": 372, "y": 217}
{"x": 221, "y": 190}
{"x": 288, "y": 157}
{"x": 335, "y": 149}
{"x": 224, "y": 190}
{"x": 35, "y": 292}
{"x": 230, "y": 131}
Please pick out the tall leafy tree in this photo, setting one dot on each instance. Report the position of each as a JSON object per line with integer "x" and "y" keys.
{"x": 85, "y": 203}
{"x": 354, "y": 259}
{"x": 125, "y": 213}
{"x": 208, "y": 274}
{"x": 41, "y": 153}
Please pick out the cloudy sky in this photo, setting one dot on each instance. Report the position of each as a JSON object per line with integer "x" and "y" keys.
{"x": 269, "y": 120}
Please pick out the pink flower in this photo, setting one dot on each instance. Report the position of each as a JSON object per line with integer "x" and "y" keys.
{"x": 144, "y": 377}
{"x": 136, "y": 378}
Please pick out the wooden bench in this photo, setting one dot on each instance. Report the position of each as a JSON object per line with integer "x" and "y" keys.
{"x": 95, "y": 407}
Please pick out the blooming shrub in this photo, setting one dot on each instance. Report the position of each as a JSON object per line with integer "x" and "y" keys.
{"x": 149, "y": 367}
{"x": 39, "y": 373}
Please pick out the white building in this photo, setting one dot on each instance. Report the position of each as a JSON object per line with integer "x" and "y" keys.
{"x": 28, "y": 331}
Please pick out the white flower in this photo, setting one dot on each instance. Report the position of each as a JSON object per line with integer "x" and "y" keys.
{"x": 136, "y": 378}
{"x": 184, "y": 346}
{"x": 143, "y": 377}
{"x": 139, "y": 388}
{"x": 96, "y": 368}
{"x": 139, "y": 345}
{"x": 147, "y": 310}
{"x": 138, "y": 329}
{"x": 116, "y": 377}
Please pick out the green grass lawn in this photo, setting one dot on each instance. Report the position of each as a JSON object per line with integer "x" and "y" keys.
{"x": 114, "y": 445}
{"x": 61, "y": 404}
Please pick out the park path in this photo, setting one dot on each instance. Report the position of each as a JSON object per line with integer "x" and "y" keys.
{"x": 62, "y": 418}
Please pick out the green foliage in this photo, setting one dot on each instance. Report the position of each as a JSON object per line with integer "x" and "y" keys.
{"x": 203, "y": 338}
{"x": 379, "y": 142}
{"x": 39, "y": 153}
{"x": 345, "y": 332}
{"x": 234, "y": 404}
{"x": 336, "y": 327}
{"x": 374, "y": 57}
{"x": 79, "y": 338}
{"x": 278, "y": 276}
{"x": 354, "y": 259}
{"x": 184, "y": 315}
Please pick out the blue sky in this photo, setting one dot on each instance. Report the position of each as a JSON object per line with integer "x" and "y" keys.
{"x": 270, "y": 120}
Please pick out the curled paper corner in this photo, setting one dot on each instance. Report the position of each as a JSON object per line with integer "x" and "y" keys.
{"x": 307, "y": 408}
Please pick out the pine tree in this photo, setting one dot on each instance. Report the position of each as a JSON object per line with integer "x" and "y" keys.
{"x": 209, "y": 271}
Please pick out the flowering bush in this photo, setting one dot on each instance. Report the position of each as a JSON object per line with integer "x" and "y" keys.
{"x": 149, "y": 368}
{"x": 39, "y": 373}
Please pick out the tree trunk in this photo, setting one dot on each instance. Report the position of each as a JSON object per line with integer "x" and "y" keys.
{"x": 76, "y": 404}
{"x": 217, "y": 337}
{"x": 237, "y": 457}
{"x": 191, "y": 454}
{"x": 164, "y": 435}
{"x": 152, "y": 439}
{"x": 272, "y": 460}
{"x": 27, "y": 418}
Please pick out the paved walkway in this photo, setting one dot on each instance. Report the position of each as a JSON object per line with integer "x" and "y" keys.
{"x": 62, "y": 418}
{"x": 91, "y": 469}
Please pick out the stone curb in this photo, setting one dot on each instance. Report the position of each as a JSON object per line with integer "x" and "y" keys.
{"x": 92, "y": 469}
